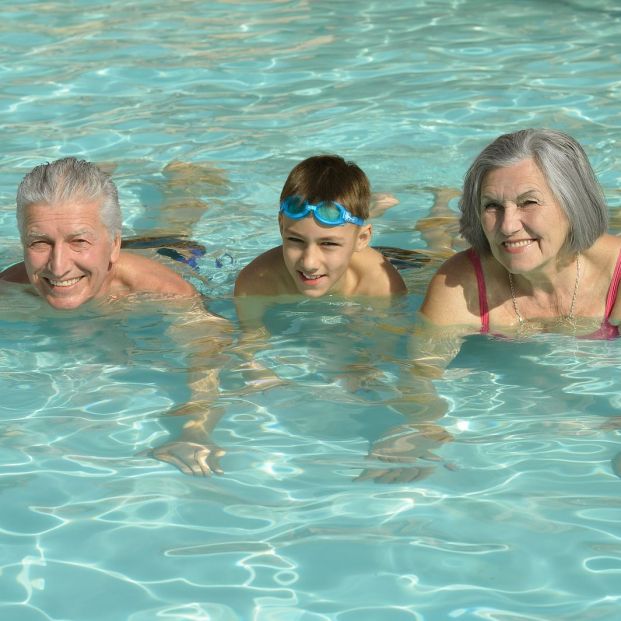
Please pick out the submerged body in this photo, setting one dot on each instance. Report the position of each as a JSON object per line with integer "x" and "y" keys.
{"x": 529, "y": 268}
{"x": 541, "y": 259}
{"x": 316, "y": 266}
{"x": 324, "y": 205}
{"x": 69, "y": 221}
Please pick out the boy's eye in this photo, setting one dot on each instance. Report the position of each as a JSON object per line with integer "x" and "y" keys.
{"x": 330, "y": 243}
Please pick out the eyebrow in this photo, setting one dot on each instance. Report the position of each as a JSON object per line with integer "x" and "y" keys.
{"x": 34, "y": 234}
{"x": 487, "y": 197}
{"x": 324, "y": 238}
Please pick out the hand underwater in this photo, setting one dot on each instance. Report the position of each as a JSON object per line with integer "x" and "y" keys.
{"x": 405, "y": 444}
{"x": 191, "y": 457}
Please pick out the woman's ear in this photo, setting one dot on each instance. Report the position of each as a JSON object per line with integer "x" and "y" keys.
{"x": 364, "y": 237}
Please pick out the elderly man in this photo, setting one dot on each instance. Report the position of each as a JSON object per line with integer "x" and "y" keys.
{"x": 69, "y": 221}
{"x": 70, "y": 225}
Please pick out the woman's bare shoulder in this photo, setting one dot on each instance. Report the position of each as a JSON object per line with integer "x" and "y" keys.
{"x": 452, "y": 294}
{"x": 606, "y": 249}
{"x": 456, "y": 270}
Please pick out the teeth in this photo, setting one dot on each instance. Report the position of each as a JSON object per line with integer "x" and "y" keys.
{"x": 63, "y": 283}
{"x": 311, "y": 276}
{"x": 518, "y": 244}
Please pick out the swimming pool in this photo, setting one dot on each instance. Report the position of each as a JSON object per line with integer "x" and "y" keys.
{"x": 519, "y": 516}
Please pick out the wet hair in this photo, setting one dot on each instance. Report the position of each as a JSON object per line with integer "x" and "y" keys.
{"x": 67, "y": 180}
{"x": 330, "y": 178}
{"x": 567, "y": 171}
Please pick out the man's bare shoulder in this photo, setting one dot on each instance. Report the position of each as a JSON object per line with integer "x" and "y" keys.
{"x": 264, "y": 275}
{"x": 138, "y": 274}
{"x": 377, "y": 276}
{"x": 16, "y": 273}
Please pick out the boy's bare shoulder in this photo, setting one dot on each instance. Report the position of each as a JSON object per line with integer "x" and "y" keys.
{"x": 377, "y": 275}
{"x": 16, "y": 273}
{"x": 264, "y": 275}
{"x": 138, "y": 274}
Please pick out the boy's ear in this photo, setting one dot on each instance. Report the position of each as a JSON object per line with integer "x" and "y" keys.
{"x": 280, "y": 223}
{"x": 364, "y": 237}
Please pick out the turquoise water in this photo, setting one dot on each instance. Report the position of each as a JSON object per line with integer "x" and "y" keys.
{"x": 517, "y": 519}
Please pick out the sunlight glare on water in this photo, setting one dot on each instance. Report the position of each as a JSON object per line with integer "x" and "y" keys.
{"x": 512, "y": 512}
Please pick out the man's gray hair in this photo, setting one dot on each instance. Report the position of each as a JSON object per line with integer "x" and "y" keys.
{"x": 567, "y": 170}
{"x": 67, "y": 180}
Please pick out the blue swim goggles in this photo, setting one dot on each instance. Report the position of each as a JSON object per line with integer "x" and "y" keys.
{"x": 329, "y": 213}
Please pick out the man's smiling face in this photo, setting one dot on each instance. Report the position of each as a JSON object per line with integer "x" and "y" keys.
{"x": 68, "y": 252}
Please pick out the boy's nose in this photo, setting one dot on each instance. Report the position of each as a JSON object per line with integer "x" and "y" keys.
{"x": 310, "y": 259}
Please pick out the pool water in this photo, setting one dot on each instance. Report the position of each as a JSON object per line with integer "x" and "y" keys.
{"x": 515, "y": 515}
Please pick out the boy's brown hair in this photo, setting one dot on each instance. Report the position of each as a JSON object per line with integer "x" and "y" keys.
{"x": 330, "y": 178}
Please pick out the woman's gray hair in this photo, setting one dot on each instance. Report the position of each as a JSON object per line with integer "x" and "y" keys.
{"x": 567, "y": 170}
{"x": 67, "y": 180}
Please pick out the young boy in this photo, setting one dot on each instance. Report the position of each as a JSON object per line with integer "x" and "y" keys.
{"x": 324, "y": 205}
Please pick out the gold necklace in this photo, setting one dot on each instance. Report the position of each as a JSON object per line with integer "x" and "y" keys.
{"x": 572, "y": 308}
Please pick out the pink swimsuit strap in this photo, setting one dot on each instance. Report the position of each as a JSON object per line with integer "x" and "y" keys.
{"x": 611, "y": 298}
{"x": 478, "y": 271}
{"x": 607, "y": 330}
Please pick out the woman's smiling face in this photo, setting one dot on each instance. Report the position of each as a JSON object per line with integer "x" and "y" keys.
{"x": 522, "y": 220}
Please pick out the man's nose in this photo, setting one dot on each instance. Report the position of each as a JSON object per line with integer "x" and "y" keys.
{"x": 59, "y": 260}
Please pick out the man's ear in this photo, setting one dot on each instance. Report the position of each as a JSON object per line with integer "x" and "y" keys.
{"x": 115, "y": 253}
{"x": 364, "y": 237}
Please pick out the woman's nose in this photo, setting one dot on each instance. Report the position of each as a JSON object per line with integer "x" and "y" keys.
{"x": 511, "y": 221}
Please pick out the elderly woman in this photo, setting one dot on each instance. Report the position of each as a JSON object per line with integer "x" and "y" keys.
{"x": 540, "y": 259}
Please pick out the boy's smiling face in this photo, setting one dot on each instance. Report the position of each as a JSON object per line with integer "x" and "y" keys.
{"x": 317, "y": 257}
